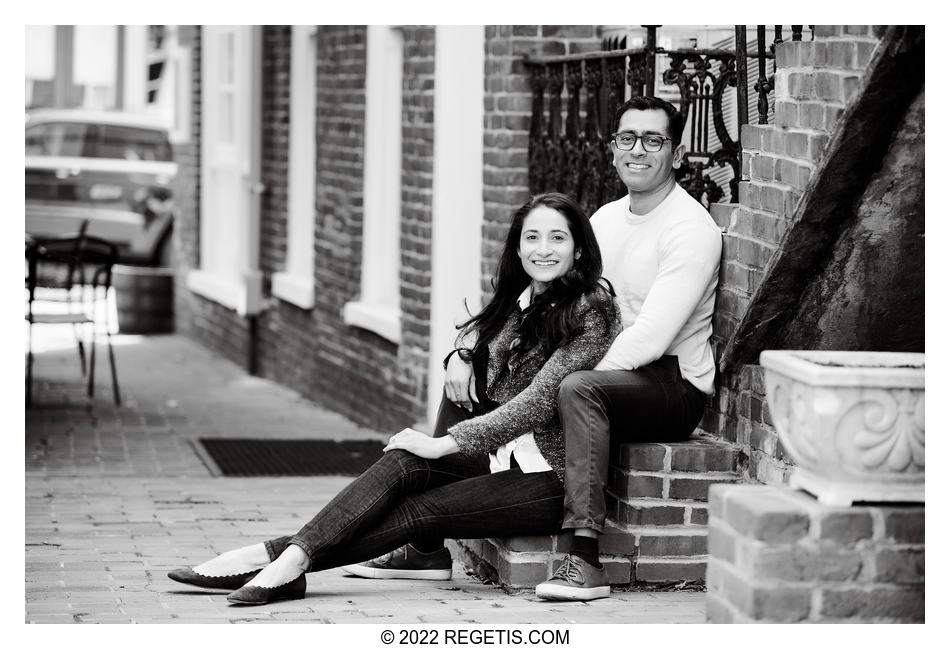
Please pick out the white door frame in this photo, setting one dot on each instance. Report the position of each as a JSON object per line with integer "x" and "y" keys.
{"x": 457, "y": 204}
{"x": 230, "y": 168}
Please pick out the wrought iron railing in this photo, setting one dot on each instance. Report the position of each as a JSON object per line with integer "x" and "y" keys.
{"x": 575, "y": 96}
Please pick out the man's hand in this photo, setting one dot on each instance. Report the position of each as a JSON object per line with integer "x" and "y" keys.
{"x": 421, "y": 444}
{"x": 460, "y": 383}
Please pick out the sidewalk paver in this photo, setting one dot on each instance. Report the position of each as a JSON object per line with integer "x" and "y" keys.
{"x": 116, "y": 497}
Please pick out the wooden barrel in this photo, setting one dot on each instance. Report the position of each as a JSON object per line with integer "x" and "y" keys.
{"x": 143, "y": 299}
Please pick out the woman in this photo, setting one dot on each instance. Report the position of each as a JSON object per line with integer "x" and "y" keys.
{"x": 549, "y": 316}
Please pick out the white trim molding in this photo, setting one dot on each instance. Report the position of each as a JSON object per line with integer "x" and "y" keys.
{"x": 377, "y": 308}
{"x": 380, "y": 320}
{"x": 457, "y": 206}
{"x": 243, "y": 296}
{"x": 295, "y": 284}
{"x": 229, "y": 237}
{"x": 293, "y": 288}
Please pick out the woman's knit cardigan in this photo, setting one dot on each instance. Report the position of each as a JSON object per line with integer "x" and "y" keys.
{"x": 526, "y": 385}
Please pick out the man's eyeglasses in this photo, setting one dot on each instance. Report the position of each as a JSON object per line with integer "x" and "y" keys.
{"x": 625, "y": 141}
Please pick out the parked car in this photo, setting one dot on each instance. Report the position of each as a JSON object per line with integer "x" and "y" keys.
{"x": 108, "y": 173}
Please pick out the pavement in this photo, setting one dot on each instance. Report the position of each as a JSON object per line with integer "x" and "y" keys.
{"x": 117, "y": 496}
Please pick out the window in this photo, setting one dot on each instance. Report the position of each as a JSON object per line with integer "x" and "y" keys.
{"x": 61, "y": 139}
{"x": 128, "y": 143}
{"x": 95, "y": 52}
{"x": 377, "y": 308}
{"x": 295, "y": 284}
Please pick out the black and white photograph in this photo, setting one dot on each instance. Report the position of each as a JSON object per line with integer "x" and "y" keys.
{"x": 475, "y": 333}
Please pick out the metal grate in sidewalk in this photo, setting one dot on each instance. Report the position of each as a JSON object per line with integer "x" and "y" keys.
{"x": 284, "y": 457}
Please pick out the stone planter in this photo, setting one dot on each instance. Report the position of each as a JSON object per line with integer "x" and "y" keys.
{"x": 853, "y": 422}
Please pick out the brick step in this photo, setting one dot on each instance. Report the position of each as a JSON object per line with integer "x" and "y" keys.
{"x": 698, "y": 454}
{"x": 667, "y": 553}
{"x": 666, "y": 570}
{"x": 656, "y": 520}
{"x": 657, "y": 541}
{"x": 631, "y": 485}
{"x": 656, "y": 511}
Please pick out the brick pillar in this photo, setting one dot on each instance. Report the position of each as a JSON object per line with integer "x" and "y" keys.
{"x": 777, "y": 555}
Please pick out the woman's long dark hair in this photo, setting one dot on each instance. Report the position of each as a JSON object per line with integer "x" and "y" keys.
{"x": 554, "y": 317}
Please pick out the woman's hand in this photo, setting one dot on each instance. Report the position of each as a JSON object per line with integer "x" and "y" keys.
{"x": 460, "y": 383}
{"x": 421, "y": 444}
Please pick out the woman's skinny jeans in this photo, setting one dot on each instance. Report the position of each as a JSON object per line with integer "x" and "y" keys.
{"x": 404, "y": 498}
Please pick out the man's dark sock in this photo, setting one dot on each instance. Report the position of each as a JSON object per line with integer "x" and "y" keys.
{"x": 587, "y": 548}
{"x": 428, "y": 546}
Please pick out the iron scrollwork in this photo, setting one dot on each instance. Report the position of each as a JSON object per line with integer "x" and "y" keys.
{"x": 702, "y": 92}
{"x": 537, "y": 168}
{"x": 574, "y": 157}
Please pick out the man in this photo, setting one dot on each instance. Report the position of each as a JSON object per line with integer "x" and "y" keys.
{"x": 661, "y": 252}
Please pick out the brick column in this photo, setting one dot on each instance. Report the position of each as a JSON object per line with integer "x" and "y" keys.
{"x": 777, "y": 555}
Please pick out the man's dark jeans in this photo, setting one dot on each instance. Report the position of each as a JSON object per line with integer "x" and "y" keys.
{"x": 404, "y": 498}
{"x": 600, "y": 410}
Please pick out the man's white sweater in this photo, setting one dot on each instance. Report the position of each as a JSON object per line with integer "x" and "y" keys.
{"x": 664, "y": 266}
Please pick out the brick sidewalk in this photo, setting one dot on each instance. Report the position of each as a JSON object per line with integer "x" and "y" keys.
{"x": 115, "y": 497}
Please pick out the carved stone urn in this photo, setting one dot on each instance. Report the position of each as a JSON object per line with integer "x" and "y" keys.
{"x": 853, "y": 422}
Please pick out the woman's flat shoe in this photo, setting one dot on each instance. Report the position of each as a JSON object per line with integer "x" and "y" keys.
{"x": 224, "y": 582}
{"x": 256, "y": 595}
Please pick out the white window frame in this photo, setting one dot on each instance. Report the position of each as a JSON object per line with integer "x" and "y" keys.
{"x": 295, "y": 284}
{"x": 377, "y": 308}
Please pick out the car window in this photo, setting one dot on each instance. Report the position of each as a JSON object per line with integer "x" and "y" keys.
{"x": 129, "y": 143}
{"x": 76, "y": 139}
{"x": 59, "y": 139}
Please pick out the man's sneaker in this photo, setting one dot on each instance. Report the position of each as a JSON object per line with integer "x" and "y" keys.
{"x": 575, "y": 580}
{"x": 406, "y": 563}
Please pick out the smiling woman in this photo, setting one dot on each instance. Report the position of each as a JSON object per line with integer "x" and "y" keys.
{"x": 547, "y": 247}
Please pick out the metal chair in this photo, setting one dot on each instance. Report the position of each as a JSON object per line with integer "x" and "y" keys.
{"x": 80, "y": 255}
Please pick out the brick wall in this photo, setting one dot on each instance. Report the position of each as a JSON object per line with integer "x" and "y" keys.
{"x": 313, "y": 351}
{"x": 814, "y": 81}
{"x": 415, "y": 274}
{"x": 739, "y": 414}
{"x": 187, "y": 185}
{"x": 275, "y": 142}
{"x": 777, "y": 555}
